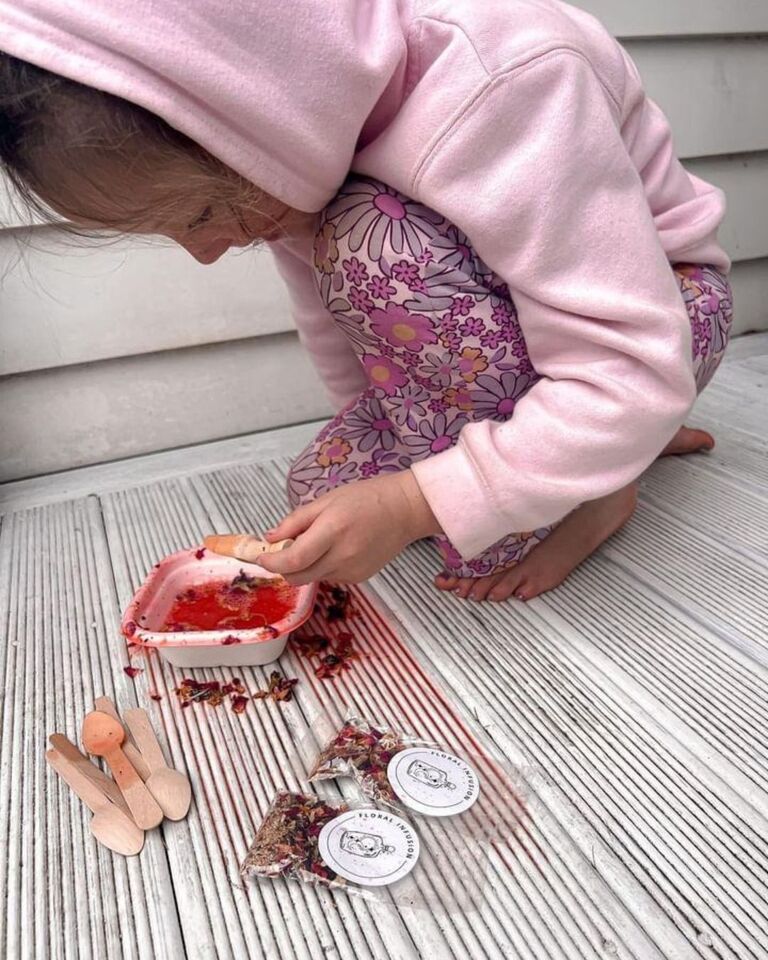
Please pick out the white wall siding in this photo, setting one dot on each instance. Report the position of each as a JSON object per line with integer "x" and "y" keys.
{"x": 130, "y": 348}
{"x": 71, "y": 416}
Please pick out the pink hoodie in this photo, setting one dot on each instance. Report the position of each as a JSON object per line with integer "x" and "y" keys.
{"x": 522, "y": 121}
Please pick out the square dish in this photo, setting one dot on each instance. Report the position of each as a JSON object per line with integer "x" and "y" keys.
{"x": 186, "y": 574}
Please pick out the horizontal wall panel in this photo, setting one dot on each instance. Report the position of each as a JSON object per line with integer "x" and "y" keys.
{"x": 713, "y": 91}
{"x": 750, "y": 294}
{"x": 63, "y": 305}
{"x": 658, "y": 18}
{"x": 53, "y": 420}
{"x": 744, "y": 179}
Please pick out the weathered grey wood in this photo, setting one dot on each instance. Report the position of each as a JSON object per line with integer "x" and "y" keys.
{"x": 87, "y": 414}
{"x": 711, "y": 90}
{"x": 658, "y": 18}
{"x": 745, "y": 182}
{"x": 750, "y": 282}
{"x": 266, "y": 445}
{"x": 74, "y": 303}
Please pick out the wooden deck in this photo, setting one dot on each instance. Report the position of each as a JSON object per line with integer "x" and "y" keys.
{"x": 629, "y": 710}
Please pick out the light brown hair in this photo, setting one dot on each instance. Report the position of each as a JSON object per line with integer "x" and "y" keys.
{"x": 57, "y": 135}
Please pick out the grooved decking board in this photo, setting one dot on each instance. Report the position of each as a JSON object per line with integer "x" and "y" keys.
{"x": 623, "y": 720}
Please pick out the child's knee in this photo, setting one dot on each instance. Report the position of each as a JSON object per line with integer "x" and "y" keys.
{"x": 355, "y": 235}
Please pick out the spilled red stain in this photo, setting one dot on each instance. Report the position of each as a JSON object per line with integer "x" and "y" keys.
{"x": 388, "y": 674}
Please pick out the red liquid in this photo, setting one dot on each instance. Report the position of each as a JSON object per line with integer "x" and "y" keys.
{"x": 220, "y": 606}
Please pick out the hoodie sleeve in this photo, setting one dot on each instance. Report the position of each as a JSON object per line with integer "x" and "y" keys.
{"x": 328, "y": 348}
{"x": 536, "y": 173}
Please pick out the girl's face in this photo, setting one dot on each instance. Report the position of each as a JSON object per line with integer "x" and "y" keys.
{"x": 218, "y": 228}
{"x": 107, "y": 200}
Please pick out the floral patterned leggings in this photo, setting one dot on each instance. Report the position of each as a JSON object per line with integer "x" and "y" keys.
{"x": 438, "y": 337}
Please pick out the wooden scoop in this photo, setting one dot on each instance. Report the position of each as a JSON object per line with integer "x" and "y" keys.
{"x": 109, "y": 824}
{"x": 170, "y": 788}
{"x": 243, "y": 546}
{"x": 105, "y": 705}
{"x": 102, "y": 736}
{"x": 98, "y": 778}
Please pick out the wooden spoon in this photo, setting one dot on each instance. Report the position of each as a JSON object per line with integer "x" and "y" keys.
{"x": 169, "y": 787}
{"x": 109, "y": 825}
{"x": 243, "y": 546}
{"x": 69, "y": 751}
{"x": 102, "y": 736}
{"x": 105, "y": 705}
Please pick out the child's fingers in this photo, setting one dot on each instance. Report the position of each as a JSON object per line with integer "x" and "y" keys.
{"x": 296, "y": 522}
{"x": 309, "y": 547}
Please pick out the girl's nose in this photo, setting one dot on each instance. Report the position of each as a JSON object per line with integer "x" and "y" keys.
{"x": 207, "y": 252}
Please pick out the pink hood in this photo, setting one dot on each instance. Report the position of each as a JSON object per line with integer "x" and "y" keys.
{"x": 221, "y": 71}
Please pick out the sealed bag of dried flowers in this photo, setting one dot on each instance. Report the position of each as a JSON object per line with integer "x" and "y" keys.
{"x": 363, "y": 751}
{"x": 287, "y": 842}
{"x": 354, "y": 846}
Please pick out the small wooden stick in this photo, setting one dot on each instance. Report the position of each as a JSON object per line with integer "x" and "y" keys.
{"x": 243, "y": 546}
{"x": 69, "y": 751}
{"x": 105, "y": 705}
{"x": 169, "y": 787}
{"x": 103, "y": 735}
{"x": 109, "y": 825}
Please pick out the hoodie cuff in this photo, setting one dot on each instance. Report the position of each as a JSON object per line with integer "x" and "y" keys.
{"x": 460, "y": 501}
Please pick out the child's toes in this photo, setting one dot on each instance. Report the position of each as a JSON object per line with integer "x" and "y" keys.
{"x": 483, "y": 586}
{"x": 510, "y": 582}
{"x": 463, "y": 587}
{"x": 445, "y": 581}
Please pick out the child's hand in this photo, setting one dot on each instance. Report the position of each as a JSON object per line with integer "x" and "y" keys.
{"x": 351, "y": 533}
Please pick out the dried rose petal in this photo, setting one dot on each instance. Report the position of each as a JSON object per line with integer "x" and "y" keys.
{"x": 278, "y": 688}
{"x": 239, "y": 704}
{"x": 133, "y": 671}
{"x": 199, "y": 554}
{"x": 287, "y": 841}
{"x": 310, "y": 646}
{"x": 156, "y": 696}
{"x": 362, "y": 751}
{"x": 228, "y": 641}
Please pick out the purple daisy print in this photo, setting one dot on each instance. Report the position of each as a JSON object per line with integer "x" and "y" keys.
{"x": 434, "y": 437}
{"x": 360, "y": 300}
{"x": 384, "y": 373}
{"x": 370, "y": 426}
{"x": 495, "y": 399}
{"x": 381, "y": 288}
{"x": 402, "y": 328}
{"x": 371, "y": 214}
{"x": 439, "y": 368}
{"x": 408, "y": 404}
{"x": 355, "y": 271}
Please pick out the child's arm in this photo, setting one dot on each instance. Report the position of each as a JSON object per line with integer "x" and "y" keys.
{"x": 328, "y": 348}
{"x": 536, "y": 173}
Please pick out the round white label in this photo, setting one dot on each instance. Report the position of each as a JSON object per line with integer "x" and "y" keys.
{"x": 370, "y": 847}
{"x": 433, "y": 782}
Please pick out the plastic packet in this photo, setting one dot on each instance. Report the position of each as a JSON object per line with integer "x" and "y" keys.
{"x": 363, "y": 751}
{"x": 401, "y": 771}
{"x": 339, "y": 845}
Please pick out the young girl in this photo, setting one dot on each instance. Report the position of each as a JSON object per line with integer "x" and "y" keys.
{"x": 509, "y": 284}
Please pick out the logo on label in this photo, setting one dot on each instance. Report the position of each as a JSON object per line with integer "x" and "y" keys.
{"x": 370, "y": 847}
{"x": 433, "y": 782}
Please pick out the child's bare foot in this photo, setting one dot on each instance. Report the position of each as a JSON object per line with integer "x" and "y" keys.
{"x": 550, "y": 562}
{"x": 689, "y": 440}
{"x": 579, "y": 535}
